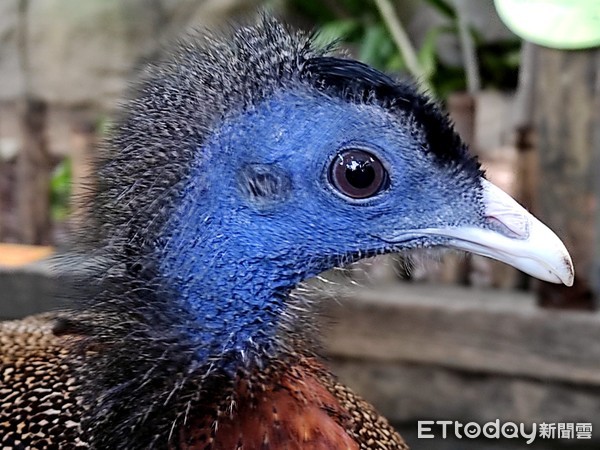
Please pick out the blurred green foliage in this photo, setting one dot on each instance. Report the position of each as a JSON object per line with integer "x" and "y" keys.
{"x": 359, "y": 25}
{"x": 60, "y": 190}
{"x": 62, "y": 177}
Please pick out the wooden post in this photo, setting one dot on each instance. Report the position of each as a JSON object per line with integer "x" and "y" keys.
{"x": 527, "y": 175}
{"x": 33, "y": 163}
{"x": 33, "y": 175}
{"x": 567, "y": 118}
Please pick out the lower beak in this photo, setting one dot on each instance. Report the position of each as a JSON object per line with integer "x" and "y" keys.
{"x": 514, "y": 237}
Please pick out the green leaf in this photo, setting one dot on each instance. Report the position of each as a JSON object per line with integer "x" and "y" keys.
{"x": 427, "y": 53}
{"x": 396, "y": 64}
{"x": 562, "y": 24}
{"x": 445, "y": 8}
{"x": 336, "y": 30}
{"x": 60, "y": 190}
{"x": 375, "y": 39}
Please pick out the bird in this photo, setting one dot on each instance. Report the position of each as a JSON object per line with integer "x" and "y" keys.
{"x": 244, "y": 163}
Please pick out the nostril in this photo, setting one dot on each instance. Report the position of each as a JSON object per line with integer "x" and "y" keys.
{"x": 513, "y": 226}
{"x": 503, "y": 213}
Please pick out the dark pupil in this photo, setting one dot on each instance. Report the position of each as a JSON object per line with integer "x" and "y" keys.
{"x": 360, "y": 174}
{"x": 357, "y": 174}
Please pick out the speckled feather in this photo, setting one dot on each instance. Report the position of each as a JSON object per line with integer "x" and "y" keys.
{"x": 297, "y": 406}
{"x": 40, "y": 407}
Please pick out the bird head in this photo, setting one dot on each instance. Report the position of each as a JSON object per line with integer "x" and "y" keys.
{"x": 249, "y": 164}
{"x": 244, "y": 165}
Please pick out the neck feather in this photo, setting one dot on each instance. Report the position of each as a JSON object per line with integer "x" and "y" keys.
{"x": 236, "y": 291}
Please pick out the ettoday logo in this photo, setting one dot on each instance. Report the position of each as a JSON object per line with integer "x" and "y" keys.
{"x": 431, "y": 429}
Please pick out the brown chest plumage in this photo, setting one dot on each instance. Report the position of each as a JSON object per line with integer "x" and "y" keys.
{"x": 297, "y": 406}
{"x": 290, "y": 410}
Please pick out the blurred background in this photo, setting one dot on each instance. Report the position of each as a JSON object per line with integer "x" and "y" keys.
{"x": 452, "y": 337}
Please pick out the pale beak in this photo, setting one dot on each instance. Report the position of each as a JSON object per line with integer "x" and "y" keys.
{"x": 520, "y": 239}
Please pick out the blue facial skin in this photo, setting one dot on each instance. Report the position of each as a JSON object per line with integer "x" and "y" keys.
{"x": 234, "y": 252}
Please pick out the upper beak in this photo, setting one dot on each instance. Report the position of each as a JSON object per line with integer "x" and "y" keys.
{"x": 519, "y": 239}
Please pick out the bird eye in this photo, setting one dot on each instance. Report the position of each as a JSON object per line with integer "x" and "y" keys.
{"x": 357, "y": 173}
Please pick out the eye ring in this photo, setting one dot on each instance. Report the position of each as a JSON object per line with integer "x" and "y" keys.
{"x": 357, "y": 173}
